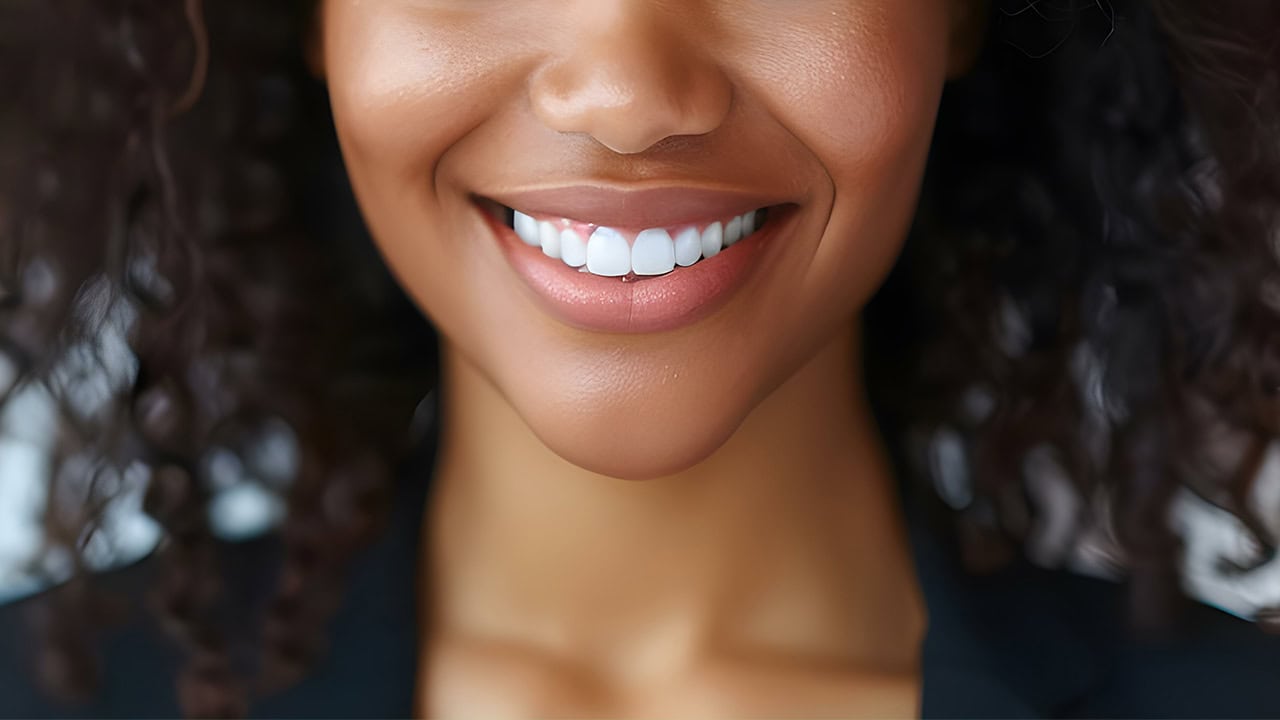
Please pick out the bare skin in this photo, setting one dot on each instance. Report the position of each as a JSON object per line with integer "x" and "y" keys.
{"x": 697, "y": 520}
{"x": 772, "y": 578}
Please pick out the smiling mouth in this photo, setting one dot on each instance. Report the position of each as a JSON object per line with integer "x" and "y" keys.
{"x": 628, "y": 254}
{"x": 615, "y": 275}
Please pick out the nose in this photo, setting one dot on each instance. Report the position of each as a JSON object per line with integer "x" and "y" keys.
{"x": 629, "y": 77}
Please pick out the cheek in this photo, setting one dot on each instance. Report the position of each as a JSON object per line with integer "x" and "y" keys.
{"x": 864, "y": 87}
{"x": 861, "y": 96}
{"x": 404, "y": 87}
{"x": 403, "y": 92}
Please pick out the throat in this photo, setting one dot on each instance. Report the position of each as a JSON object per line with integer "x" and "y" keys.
{"x": 786, "y": 543}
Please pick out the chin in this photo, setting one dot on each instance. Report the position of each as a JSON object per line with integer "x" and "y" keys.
{"x": 659, "y": 435}
{"x": 649, "y": 457}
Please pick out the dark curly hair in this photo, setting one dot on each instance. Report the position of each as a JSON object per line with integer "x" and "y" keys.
{"x": 1094, "y": 273}
{"x": 1092, "y": 277}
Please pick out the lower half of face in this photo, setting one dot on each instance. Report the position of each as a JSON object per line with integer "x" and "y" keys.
{"x": 637, "y": 218}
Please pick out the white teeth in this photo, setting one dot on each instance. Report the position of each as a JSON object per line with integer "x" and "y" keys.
{"x": 608, "y": 253}
{"x": 688, "y": 244}
{"x": 733, "y": 231}
{"x": 573, "y": 250}
{"x": 550, "y": 239}
{"x": 712, "y": 240}
{"x": 653, "y": 253}
{"x": 527, "y": 228}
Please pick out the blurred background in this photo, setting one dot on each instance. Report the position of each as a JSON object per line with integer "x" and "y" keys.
{"x": 241, "y": 507}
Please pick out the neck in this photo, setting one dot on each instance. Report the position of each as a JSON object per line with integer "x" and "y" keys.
{"x": 787, "y": 540}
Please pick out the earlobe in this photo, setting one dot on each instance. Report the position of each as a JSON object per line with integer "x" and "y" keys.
{"x": 968, "y": 32}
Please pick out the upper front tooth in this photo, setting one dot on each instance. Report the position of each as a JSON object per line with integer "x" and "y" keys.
{"x": 550, "y": 239}
{"x": 733, "y": 231}
{"x": 653, "y": 253}
{"x": 527, "y": 228}
{"x": 608, "y": 253}
{"x": 688, "y": 244}
{"x": 573, "y": 250}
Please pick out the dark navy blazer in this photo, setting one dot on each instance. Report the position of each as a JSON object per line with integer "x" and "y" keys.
{"x": 1025, "y": 642}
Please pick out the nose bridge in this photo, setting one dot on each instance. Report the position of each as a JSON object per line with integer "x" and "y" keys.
{"x": 629, "y": 76}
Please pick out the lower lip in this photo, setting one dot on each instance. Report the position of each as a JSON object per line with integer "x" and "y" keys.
{"x": 643, "y": 305}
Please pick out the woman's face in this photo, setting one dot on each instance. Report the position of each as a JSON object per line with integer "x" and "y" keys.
{"x": 568, "y": 189}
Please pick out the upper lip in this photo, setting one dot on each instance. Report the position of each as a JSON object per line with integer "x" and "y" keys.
{"x": 641, "y": 208}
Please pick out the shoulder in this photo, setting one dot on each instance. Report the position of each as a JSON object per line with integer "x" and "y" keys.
{"x": 1028, "y": 641}
{"x": 368, "y": 669}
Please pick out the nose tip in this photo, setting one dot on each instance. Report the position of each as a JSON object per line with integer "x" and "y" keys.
{"x": 631, "y": 87}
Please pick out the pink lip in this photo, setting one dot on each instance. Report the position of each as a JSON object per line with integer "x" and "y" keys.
{"x": 637, "y": 209}
{"x": 643, "y": 305}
